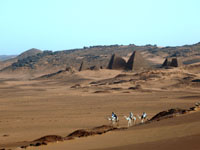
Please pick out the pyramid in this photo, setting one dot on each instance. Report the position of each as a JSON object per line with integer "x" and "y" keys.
{"x": 82, "y": 67}
{"x": 136, "y": 62}
{"x": 172, "y": 62}
{"x": 117, "y": 63}
{"x": 167, "y": 62}
{"x": 176, "y": 62}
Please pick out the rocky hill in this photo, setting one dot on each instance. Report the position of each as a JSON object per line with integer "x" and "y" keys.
{"x": 10, "y": 60}
{"x": 28, "y": 53}
{"x": 97, "y": 56}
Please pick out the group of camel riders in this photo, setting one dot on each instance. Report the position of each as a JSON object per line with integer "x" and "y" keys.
{"x": 114, "y": 117}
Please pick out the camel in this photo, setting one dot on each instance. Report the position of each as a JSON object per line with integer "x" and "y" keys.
{"x": 142, "y": 117}
{"x": 130, "y": 118}
{"x": 114, "y": 119}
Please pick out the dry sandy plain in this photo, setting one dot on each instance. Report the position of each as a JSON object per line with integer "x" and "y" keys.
{"x": 30, "y": 109}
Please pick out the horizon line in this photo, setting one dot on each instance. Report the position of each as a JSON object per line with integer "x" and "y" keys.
{"x": 91, "y": 46}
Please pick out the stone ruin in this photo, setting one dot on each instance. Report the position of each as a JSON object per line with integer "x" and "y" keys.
{"x": 172, "y": 62}
{"x": 82, "y": 67}
{"x": 85, "y": 66}
{"x": 117, "y": 63}
{"x": 136, "y": 62}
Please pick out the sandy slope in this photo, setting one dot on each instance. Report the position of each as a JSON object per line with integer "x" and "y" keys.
{"x": 30, "y": 109}
{"x": 181, "y": 132}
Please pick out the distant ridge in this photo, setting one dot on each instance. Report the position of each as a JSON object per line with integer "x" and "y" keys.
{"x": 6, "y": 57}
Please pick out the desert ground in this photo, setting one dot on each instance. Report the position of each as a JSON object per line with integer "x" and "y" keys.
{"x": 61, "y": 104}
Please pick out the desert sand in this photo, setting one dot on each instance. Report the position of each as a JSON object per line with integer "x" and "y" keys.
{"x": 30, "y": 109}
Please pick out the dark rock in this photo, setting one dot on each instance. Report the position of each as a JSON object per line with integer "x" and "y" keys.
{"x": 75, "y": 86}
{"x": 24, "y": 146}
{"x": 135, "y": 87}
{"x": 5, "y": 135}
{"x": 93, "y": 68}
{"x": 81, "y": 133}
{"x": 196, "y": 80}
{"x": 38, "y": 144}
{"x": 168, "y": 114}
{"x": 49, "y": 138}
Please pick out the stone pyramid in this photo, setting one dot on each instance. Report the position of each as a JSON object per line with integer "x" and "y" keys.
{"x": 137, "y": 62}
{"x": 117, "y": 63}
{"x": 82, "y": 67}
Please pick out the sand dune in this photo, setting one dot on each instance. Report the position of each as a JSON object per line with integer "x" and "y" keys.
{"x": 180, "y": 132}
{"x": 45, "y": 140}
{"x": 47, "y": 110}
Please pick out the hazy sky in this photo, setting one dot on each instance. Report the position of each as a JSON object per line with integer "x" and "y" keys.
{"x": 66, "y": 24}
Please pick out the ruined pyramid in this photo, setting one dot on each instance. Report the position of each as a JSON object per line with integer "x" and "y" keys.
{"x": 82, "y": 66}
{"x": 172, "y": 62}
{"x": 117, "y": 62}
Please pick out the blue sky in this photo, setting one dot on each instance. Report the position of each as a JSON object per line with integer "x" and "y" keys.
{"x": 67, "y": 24}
